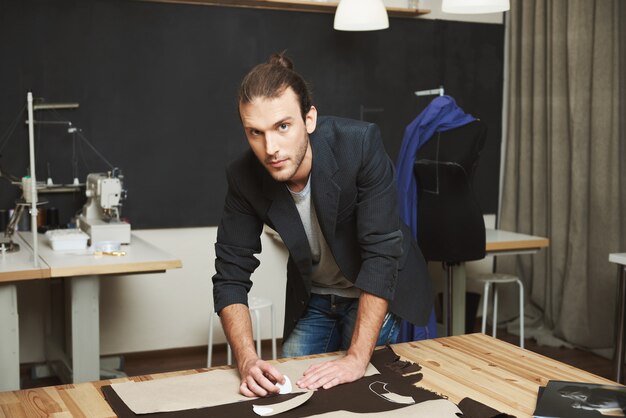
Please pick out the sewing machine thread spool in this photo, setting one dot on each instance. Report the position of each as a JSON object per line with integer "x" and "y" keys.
{"x": 24, "y": 223}
{"x": 27, "y": 188}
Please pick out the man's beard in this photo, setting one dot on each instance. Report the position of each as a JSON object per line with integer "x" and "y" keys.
{"x": 298, "y": 158}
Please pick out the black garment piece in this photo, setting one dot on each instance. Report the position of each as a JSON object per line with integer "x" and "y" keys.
{"x": 450, "y": 222}
{"x": 475, "y": 409}
{"x": 353, "y": 397}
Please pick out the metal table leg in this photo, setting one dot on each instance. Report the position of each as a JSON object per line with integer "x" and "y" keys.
{"x": 454, "y": 299}
{"x": 85, "y": 294}
{"x": 9, "y": 339}
{"x": 618, "y": 356}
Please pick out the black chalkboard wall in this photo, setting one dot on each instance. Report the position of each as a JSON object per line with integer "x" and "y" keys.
{"x": 157, "y": 83}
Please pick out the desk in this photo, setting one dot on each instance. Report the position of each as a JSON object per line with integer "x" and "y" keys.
{"x": 83, "y": 272}
{"x": 618, "y": 356}
{"x": 498, "y": 242}
{"x": 487, "y": 370}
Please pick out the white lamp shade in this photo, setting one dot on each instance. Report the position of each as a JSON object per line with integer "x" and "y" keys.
{"x": 475, "y": 6}
{"x": 361, "y": 15}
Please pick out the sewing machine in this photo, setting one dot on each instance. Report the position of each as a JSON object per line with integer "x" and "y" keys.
{"x": 100, "y": 217}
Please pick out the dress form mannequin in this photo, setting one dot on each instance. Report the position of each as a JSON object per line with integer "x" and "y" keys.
{"x": 450, "y": 222}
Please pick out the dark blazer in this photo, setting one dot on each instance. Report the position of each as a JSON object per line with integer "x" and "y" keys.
{"x": 354, "y": 194}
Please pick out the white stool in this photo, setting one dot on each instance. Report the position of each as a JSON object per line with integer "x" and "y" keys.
{"x": 495, "y": 279}
{"x": 255, "y": 304}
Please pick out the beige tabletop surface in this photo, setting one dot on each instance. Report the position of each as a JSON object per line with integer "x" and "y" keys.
{"x": 19, "y": 265}
{"x": 140, "y": 256}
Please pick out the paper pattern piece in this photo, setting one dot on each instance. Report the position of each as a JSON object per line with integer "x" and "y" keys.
{"x": 438, "y": 408}
{"x": 280, "y": 407}
{"x": 380, "y": 389}
{"x": 200, "y": 390}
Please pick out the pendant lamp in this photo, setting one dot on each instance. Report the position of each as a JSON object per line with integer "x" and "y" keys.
{"x": 361, "y": 15}
{"x": 475, "y": 6}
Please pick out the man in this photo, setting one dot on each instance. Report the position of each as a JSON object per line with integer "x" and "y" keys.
{"x": 326, "y": 186}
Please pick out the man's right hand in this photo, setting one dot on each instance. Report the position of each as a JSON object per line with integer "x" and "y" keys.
{"x": 259, "y": 378}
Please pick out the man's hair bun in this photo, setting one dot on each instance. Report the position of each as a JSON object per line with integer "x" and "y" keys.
{"x": 280, "y": 60}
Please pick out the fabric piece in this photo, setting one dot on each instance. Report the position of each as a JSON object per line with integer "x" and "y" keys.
{"x": 201, "y": 389}
{"x": 410, "y": 332}
{"x": 403, "y": 367}
{"x": 442, "y": 114}
{"x": 564, "y": 166}
{"x": 475, "y": 409}
{"x": 280, "y": 407}
{"x": 342, "y": 400}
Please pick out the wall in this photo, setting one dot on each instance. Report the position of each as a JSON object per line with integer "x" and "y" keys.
{"x": 157, "y": 83}
{"x": 170, "y": 310}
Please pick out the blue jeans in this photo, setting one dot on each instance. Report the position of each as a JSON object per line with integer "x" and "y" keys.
{"x": 327, "y": 326}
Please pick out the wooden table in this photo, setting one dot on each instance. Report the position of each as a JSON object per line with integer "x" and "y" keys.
{"x": 618, "y": 356}
{"x": 82, "y": 271}
{"x": 487, "y": 370}
{"x": 498, "y": 242}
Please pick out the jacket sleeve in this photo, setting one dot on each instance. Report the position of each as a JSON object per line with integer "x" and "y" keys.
{"x": 238, "y": 240}
{"x": 379, "y": 235}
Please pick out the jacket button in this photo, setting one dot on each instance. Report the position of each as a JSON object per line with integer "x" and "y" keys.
{"x": 302, "y": 302}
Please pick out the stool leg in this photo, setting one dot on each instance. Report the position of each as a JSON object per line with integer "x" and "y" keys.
{"x": 258, "y": 332}
{"x": 229, "y": 354}
{"x": 210, "y": 353}
{"x": 273, "y": 332}
{"x": 521, "y": 313}
{"x": 495, "y": 309}
{"x": 485, "y": 303}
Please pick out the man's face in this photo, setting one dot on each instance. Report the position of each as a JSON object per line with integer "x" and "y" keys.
{"x": 279, "y": 137}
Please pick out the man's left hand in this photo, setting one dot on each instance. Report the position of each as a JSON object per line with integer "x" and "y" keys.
{"x": 332, "y": 373}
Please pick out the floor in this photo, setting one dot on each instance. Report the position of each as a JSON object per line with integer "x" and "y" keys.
{"x": 195, "y": 357}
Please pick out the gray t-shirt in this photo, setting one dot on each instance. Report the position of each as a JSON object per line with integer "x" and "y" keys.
{"x": 326, "y": 277}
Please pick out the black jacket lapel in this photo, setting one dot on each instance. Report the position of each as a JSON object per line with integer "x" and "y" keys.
{"x": 325, "y": 191}
{"x": 285, "y": 218}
